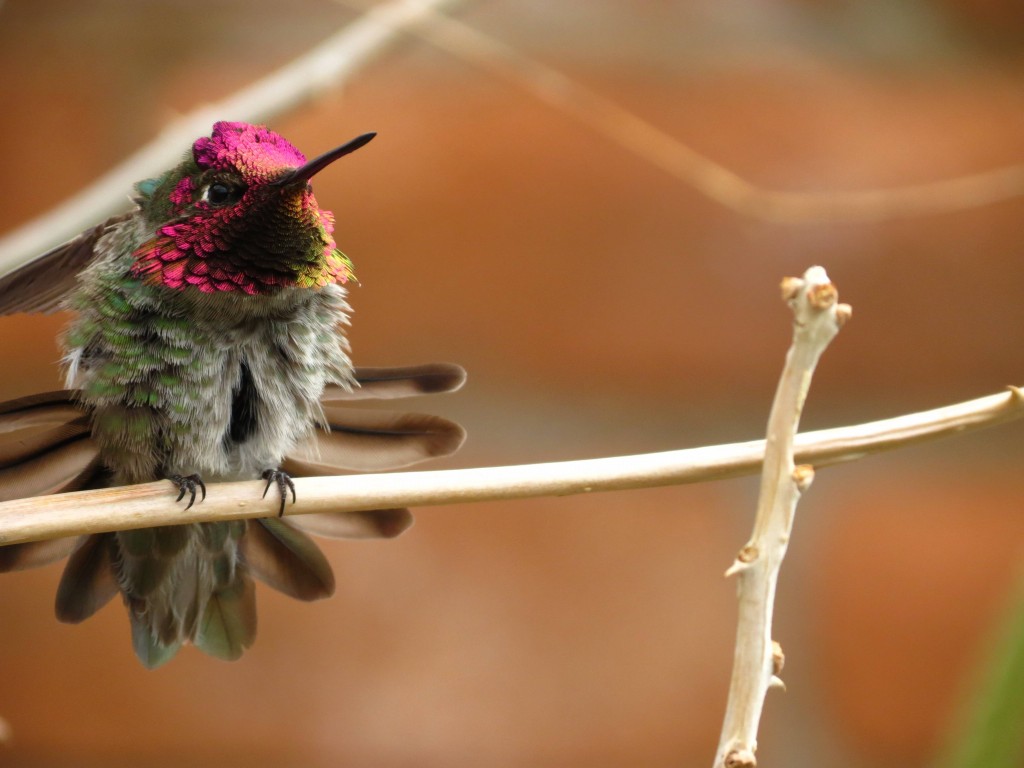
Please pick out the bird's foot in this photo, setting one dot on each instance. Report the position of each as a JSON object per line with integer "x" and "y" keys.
{"x": 188, "y": 484}
{"x": 284, "y": 484}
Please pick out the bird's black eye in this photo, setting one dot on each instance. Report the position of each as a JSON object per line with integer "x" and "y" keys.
{"x": 220, "y": 193}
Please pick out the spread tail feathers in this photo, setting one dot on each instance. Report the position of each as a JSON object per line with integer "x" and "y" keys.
{"x": 194, "y": 583}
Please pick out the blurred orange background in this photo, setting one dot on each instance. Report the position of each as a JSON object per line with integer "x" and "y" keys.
{"x": 601, "y": 307}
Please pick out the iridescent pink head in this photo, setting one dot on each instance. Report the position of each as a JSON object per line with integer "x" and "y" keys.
{"x": 240, "y": 216}
{"x": 259, "y": 154}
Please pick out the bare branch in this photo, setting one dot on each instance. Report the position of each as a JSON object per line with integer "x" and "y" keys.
{"x": 758, "y": 660}
{"x": 706, "y": 176}
{"x": 139, "y": 506}
{"x": 326, "y": 66}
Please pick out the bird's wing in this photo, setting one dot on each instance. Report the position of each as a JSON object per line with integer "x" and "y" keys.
{"x": 42, "y": 284}
{"x": 365, "y": 440}
{"x": 45, "y": 447}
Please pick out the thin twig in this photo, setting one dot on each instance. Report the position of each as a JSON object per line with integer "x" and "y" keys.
{"x": 758, "y": 661}
{"x": 326, "y": 66}
{"x": 706, "y": 176}
{"x": 139, "y": 506}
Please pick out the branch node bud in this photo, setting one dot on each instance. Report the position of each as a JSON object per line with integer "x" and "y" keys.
{"x": 803, "y": 476}
{"x": 822, "y": 295}
{"x": 778, "y": 658}
{"x": 790, "y": 288}
{"x": 741, "y": 758}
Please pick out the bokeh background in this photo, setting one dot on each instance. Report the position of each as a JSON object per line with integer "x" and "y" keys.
{"x": 601, "y": 307}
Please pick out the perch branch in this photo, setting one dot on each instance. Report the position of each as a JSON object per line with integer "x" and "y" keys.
{"x": 758, "y": 660}
{"x": 698, "y": 171}
{"x": 326, "y": 66}
{"x": 138, "y": 506}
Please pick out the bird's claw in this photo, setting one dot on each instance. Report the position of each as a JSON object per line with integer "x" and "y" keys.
{"x": 284, "y": 484}
{"x": 188, "y": 484}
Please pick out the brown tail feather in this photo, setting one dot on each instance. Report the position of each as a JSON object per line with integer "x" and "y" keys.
{"x": 287, "y": 560}
{"x": 88, "y": 582}
{"x": 407, "y": 381}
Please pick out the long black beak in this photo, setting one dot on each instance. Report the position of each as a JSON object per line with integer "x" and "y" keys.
{"x": 317, "y": 164}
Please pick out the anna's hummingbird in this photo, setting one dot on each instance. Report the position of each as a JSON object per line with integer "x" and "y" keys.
{"x": 206, "y": 338}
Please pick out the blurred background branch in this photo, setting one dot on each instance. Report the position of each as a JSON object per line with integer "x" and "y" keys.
{"x": 327, "y": 65}
{"x": 709, "y": 178}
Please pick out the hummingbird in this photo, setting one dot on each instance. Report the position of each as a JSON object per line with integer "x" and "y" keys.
{"x": 207, "y": 345}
